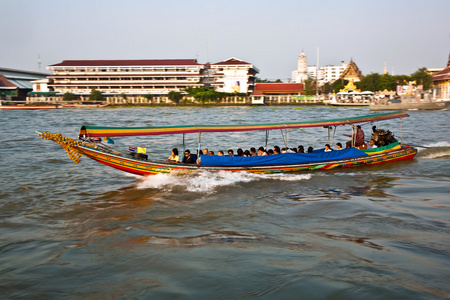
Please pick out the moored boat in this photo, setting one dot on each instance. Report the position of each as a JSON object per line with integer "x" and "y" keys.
{"x": 90, "y": 144}
{"x": 412, "y": 103}
{"x": 34, "y": 107}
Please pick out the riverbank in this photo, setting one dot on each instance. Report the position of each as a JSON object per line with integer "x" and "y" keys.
{"x": 185, "y": 101}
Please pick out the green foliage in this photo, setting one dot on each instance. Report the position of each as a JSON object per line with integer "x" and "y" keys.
{"x": 69, "y": 97}
{"x": 310, "y": 86}
{"x": 96, "y": 95}
{"x": 123, "y": 96}
{"x": 375, "y": 82}
{"x": 422, "y": 77}
{"x": 148, "y": 96}
{"x": 204, "y": 94}
{"x": 175, "y": 96}
{"x": 338, "y": 85}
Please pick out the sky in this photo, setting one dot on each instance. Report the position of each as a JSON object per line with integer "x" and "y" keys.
{"x": 404, "y": 35}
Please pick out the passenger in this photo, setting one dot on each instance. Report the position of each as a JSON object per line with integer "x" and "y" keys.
{"x": 188, "y": 159}
{"x": 358, "y": 136}
{"x": 371, "y": 144}
{"x": 276, "y": 150}
{"x": 261, "y": 151}
{"x": 301, "y": 149}
{"x": 253, "y": 151}
{"x": 220, "y": 153}
{"x": 338, "y": 146}
{"x": 174, "y": 158}
{"x": 240, "y": 152}
{"x": 294, "y": 150}
{"x": 230, "y": 152}
{"x": 205, "y": 151}
{"x": 211, "y": 153}
{"x": 328, "y": 148}
{"x": 247, "y": 153}
{"x": 270, "y": 152}
{"x": 310, "y": 149}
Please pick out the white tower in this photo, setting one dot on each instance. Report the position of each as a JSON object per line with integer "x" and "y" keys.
{"x": 302, "y": 66}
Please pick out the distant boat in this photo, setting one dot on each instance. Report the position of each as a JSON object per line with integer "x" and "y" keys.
{"x": 23, "y": 106}
{"x": 85, "y": 104}
{"x": 411, "y": 103}
{"x": 352, "y": 98}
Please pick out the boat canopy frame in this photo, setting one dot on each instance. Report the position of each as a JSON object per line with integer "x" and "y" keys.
{"x": 88, "y": 131}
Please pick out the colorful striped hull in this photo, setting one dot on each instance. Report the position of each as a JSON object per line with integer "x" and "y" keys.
{"x": 140, "y": 167}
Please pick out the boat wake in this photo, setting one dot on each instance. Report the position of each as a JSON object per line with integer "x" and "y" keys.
{"x": 435, "y": 150}
{"x": 205, "y": 181}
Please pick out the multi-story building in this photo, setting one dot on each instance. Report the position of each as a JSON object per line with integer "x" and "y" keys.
{"x": 155, "y": 77}
{"x": 234, "y": 76}
{"x": 130, "y": 77}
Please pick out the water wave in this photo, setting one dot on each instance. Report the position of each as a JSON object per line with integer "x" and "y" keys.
{"x": 435, "y": 150}
{"x": 205, "y": 181}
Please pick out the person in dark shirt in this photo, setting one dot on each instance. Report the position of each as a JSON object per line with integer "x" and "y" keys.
{"x": 188, "y": 159}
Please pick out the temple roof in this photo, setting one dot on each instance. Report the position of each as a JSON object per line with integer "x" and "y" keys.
{"x": 352, "y": 72}
{"x": 444, "y": 74}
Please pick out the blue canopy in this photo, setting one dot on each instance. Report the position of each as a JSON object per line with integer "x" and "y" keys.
{"x": 280, "y": 159}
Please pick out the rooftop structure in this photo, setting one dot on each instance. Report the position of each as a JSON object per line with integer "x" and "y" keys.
{"x": 15, "y": 84}
{"x": 441, "y": 83}
{"x": 279, "y": 89}
{"x": 352, "y": 72}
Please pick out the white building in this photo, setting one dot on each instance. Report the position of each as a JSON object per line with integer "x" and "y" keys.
{"x": 329, "y": 73}
{"x": 233, "y": 76}
{"x": 155, "y": 77}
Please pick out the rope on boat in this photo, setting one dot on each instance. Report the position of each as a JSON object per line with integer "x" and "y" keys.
{"x": 67, "y": 143}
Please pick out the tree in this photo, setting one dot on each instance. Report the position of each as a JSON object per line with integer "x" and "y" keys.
{"x": 422, "y": 77}
{"x": 69, "y": 96}
{"x": 175, "y": 96}
{"x": 339, "y": 85}
{"x": 96, "y": 95}
{"x": 310, "y": 86}
{"x": 387, "y": 82}
{"x": 370, "y": 82}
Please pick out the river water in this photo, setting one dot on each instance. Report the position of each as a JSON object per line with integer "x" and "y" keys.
{"x": 90, "y": 231}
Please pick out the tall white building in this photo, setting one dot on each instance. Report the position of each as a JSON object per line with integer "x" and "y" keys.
{"x": 301, "y": 74}
{"x": 329, "y": 73}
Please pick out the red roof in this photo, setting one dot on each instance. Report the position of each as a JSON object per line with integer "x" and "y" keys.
{"x": 6, "y": 83}
{"x": 442, "y": 75}
{"x": 279, "y": 88}
{"x": 232, "y": 61}
{"x": 136, "y": 62}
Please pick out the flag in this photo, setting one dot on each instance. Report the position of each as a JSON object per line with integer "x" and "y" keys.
{"x": 141, "y": 150}
{"x": 131, "y": 149}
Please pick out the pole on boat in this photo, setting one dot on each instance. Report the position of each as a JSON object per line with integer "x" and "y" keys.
{"x": 284, "y": 137}
{"x": 267, "y": 138}
{"x": 199, "y": 145}
{"x": 183, "y": 143}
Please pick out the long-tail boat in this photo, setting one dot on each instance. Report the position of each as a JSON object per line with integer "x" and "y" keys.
{"x": 89, "y": 144}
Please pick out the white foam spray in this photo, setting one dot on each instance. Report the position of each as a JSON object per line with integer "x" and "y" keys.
{"x": 204, "y": 181}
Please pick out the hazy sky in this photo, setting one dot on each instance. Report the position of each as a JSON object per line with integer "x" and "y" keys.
{"x": 407, "y": 34}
